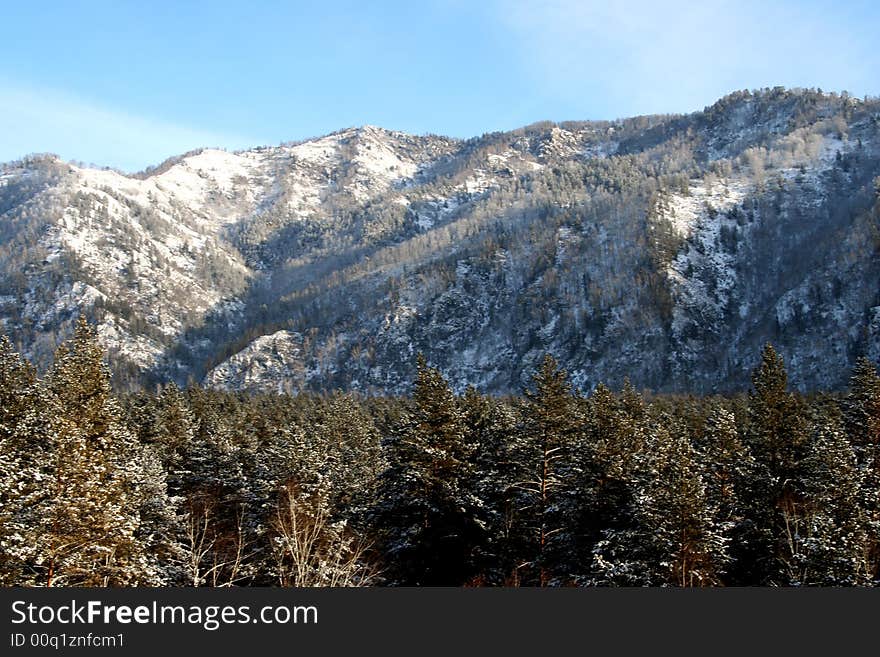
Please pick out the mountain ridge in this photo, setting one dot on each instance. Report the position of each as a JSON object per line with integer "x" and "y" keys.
{"x": 662, "y": 248}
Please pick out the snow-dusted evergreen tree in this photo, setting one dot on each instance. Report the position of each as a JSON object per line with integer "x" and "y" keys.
{"x": 728, "y": 471}
{"x": 777, "y": 437}
{"x": 26, "y": 443}
{"x": 613, "y": 435}
{"x": 325, "y": 474}
{"x": 218, "y": 528}
{"x": 173, "y": 425}
{"x": 490, "y": 423}
{"x": 674, "y": 538}
{"x": 164, "y": 425}
{"x": 544, "y": 454}
{"x": 350, "y": 452}
{"x": 105, "y": 505}
{"x": 161, "y": 524}
{"x": 726, "y": 462}
{"x": 426, "y": 512}
{"x": 861, "y": 419}
{"x": 826, "y": 539}
{"x": 861, "y": 409}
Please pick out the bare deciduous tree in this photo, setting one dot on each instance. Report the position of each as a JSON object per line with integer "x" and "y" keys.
{"x": 312, "y": 550}
{"x": 207, "y": 562}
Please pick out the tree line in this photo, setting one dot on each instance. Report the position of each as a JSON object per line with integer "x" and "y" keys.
{"x": 554, "y": 487}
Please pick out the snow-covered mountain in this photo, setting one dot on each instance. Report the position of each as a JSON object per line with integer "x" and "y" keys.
{"x": 663, "y": 248}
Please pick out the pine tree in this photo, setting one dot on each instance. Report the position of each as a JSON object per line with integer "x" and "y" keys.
{"x": 727, "y": 462}
{"x": 827, "y": 532}
{"x": 25, "y": 442}
{"x": 546, "y": 442}
{"x": 674, "y": 538}
{"x": 777, "y": 437}
{"x": 728, "y": 470}
{"x": 174, "y": 422}
{"x": 777, "y": 425}
{"x": 861, "y": 409}
{"x": 216, "y": 505}
{"x": 98, "y": 484}
{"x": 426, "y": 511}
{"x": 861, "y": 420}
{"x": 164, "y": 423}
{"x": 489, "y": 424}
{"x": 353, "y": 459}
{"x": 614, "y": 432}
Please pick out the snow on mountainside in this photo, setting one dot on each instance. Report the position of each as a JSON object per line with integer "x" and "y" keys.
{"x": 663, "y": 248}
{"x": 147, "y": 248}
{"x": 159, "y": 245}
{"x": 271, "y": 362}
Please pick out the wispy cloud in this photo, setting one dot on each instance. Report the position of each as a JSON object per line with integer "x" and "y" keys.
{"x": 39, "y": 120}
{"x": 649, "y": 56}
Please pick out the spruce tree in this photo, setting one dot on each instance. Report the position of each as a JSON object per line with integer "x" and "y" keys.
{"x": 726, "y": 462}
{"x": 353, "y": 453}
{"x": 216, "y": 512}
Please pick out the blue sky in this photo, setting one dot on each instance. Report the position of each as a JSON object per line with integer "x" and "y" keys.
{"x": 127, "y": 84}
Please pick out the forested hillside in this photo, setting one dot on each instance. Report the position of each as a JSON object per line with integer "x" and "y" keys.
{"x": 666, "y": 249}
{"x": 551, "y": 487}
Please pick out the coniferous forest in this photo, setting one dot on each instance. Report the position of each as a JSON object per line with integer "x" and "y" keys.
{"x": 555, "y": 487}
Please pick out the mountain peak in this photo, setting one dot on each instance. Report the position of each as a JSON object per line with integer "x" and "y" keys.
{"x": 330, "y": 262}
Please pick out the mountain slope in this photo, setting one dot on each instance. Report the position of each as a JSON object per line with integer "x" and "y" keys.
{"x": 664, "y": 248}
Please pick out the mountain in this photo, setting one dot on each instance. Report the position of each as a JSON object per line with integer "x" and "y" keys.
{"x": 667, "y": 249}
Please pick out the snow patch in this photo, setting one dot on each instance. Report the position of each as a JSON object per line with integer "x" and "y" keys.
{"x": 687, "y": 211}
